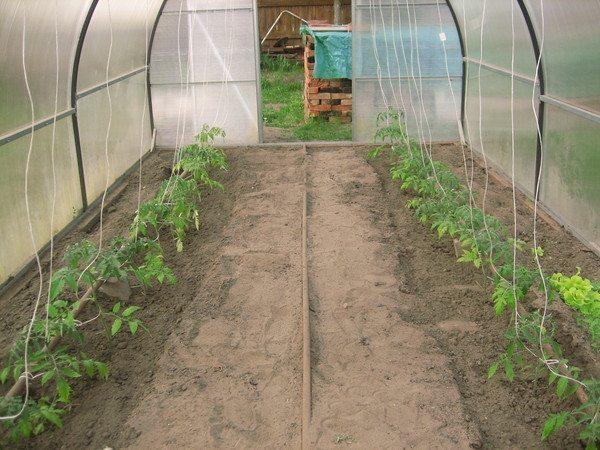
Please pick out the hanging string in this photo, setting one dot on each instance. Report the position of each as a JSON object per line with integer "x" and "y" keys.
{"x": 26, "y": 374}
{"x": 53, "y": 165}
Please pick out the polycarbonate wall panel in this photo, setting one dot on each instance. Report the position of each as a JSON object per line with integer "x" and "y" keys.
{"x": 234, "y": 104}
{"x": 37, "y": 19}
{"x": 571, "y": 49}
{"x": 402, "y": 44}
{"x": 436, "y": 118}
{"x": 213, "y": 44}
{"x": 131, "y": 22}
{"x": 497, "y": 34}
{"x": 387, "y": 44}
{"x": 128, "y": 98}
{"x": 204, "y": 5}
{"x": 496, "y": 130}
{"x": 570, "y": 183}
{"x": 214, "y": 80}
{"x": 16, "y": 248}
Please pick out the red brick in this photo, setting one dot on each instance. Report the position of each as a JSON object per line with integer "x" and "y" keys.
{"x": 347, "y": 101}
{"x": 341, "y": 95}
{"x": 312, "y": 90}
{"x": 322, "y": 95}
{"x": 341, "y": 108}
{"x": 320, "y": 108}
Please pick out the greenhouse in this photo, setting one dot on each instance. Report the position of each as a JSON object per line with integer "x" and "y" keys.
{"x": 304, "y": 224}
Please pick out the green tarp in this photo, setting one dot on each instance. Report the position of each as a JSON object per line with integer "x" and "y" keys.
{"x": 333, "y": 53}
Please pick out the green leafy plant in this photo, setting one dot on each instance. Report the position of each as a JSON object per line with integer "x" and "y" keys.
{"x": 442, "y": 202}
{"x": 175, "y": 205}
{"x": 54, "y": 358}
{"x": 582, "y": 295}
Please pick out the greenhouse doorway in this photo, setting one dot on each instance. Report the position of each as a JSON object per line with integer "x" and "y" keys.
{"x": 300, "y": 101}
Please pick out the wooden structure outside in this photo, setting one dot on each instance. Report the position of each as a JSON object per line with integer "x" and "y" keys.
{"x": 286, "y": 31}
{"x": 325, "y": 98}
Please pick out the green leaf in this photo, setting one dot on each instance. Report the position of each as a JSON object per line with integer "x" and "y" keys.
{"x": 4, "y": 374}
{"x": 493, "y": 369}
{"x": 102, "y": 370}
{"x": 509, "y": 369}
{"x": 26, "y": 427}
{"x": 133, "y": 326}
{"x": 561, "y": 386}
{"x": 70, "y": 373}
{"x": 90, "y": 369}
{"x": 47, "y": 376}
{"x": 64, "y": 390}
{"x": 553, "y": 424}
{"x": 116, "y": 308}
{"x": 116, "y": 326}
{"x": 129, "y": 311}
{"x": 51, "y": 417}
{"x": 56, "y": 288}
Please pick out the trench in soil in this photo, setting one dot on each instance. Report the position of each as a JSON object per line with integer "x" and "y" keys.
{"x": 401, "y": 335}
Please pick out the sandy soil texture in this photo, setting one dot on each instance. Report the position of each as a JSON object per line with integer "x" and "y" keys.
{"x": 401, "y": 335}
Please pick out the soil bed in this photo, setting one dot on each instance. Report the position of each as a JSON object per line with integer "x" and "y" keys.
{"x": 402, "y": 338}
{"x": 454, "y": 301}
{"x": 100, "y": 408}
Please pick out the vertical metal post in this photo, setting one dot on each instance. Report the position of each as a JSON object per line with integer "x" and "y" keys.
{"x": 337, "y": 12}
{"x": 259, "y": 104}
{"x": 353, "y": 16}
{"x": 75, "y": 119}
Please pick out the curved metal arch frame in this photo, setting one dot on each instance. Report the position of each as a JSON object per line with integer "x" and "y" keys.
{"x": 75, "y": 96}
{"x": 464, "y": 65}
{"x": 148, "y": 59}
{"x": 537, "y": 51}
{"x": 75, "y": 119}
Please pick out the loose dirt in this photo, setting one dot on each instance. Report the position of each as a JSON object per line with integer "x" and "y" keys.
{"x": 379, "y": 382}
{"x": 402, "y": 335}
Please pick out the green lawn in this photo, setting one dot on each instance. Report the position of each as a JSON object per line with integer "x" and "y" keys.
{"x": 283, "y": 105}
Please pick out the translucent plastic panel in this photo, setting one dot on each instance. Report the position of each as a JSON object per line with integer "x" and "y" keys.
{"x": 377, "y": 3}
{"x": 131, "y": 21}
{"x": 215, "y": 79}
{"x": 497, "y": 36}
{"x": 401, "y": 43}
{"x": 221, "y": 44}
{"x": 438, "y": 110}
{"x": 570, "y": 182}
{"x": 571, "y": 49}
{"x": 404, "y": 40}
{"x": 190, "y": 5}
{"x": 16, "y": 248}
{"x": 127, "y": 98}
{"x": 495, "y": 138}
{"x": 231, "y": 107}
{"x": 37, "y": 19}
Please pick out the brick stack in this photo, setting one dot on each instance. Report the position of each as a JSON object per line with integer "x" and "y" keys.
{"x": 326, "y": 98}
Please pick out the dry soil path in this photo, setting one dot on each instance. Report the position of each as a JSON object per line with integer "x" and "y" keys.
{"x": 234, "y": 379}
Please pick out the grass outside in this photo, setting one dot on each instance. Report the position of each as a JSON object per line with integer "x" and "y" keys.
{"x": 282, "y": 85}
